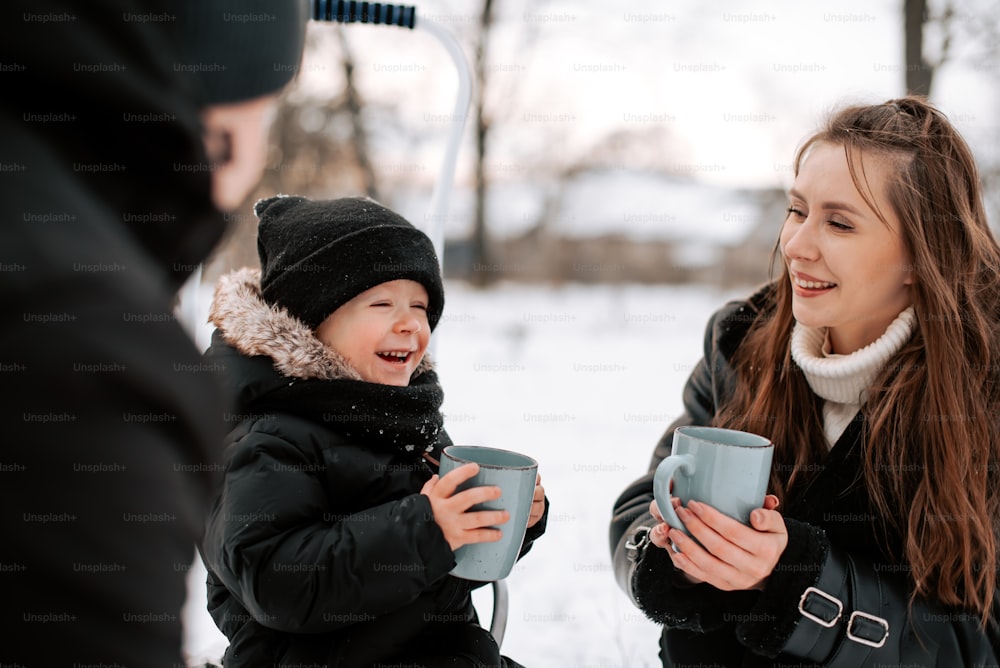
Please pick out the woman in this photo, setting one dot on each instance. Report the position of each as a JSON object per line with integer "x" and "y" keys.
{"x": 872, "y": 363}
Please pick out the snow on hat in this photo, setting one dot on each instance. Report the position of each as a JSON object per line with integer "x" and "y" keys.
{"x": 317, "y": 255}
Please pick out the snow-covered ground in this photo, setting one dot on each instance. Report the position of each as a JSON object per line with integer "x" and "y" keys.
{"x": 583, "y": 379}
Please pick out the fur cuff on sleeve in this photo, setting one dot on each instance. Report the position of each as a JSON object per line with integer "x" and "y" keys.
{"x": 667, "y": 599}
{"x": 770, "y": 623}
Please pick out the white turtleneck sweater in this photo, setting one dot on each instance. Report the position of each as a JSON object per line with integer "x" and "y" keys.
{"x": 843, "y": 380}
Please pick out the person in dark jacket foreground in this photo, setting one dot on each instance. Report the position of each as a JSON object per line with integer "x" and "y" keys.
{"x": 117, "y": 161}
{"x": 872, "y": 363}
{"x": 331, "y": 536}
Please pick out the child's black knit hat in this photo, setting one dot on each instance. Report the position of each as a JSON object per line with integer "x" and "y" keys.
{"x": 317, "y": 255}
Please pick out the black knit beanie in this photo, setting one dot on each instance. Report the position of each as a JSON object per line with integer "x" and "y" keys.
{"x": 236, "y": 50}
{"x": 317, "y": 255}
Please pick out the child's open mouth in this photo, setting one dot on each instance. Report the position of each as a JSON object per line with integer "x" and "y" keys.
{"x": 395, "y": 357}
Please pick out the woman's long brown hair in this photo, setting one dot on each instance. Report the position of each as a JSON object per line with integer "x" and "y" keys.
{"x": 931, "y": 444}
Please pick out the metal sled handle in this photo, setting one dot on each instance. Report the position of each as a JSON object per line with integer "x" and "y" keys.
{"x": 498, "y": 624}
{"x": 377, "y": 13}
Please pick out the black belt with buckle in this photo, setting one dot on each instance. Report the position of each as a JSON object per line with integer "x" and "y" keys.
{"x": 823, "y": 621}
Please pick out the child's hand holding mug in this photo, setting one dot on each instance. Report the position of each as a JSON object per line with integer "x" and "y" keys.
{"x": 450, "y": 509}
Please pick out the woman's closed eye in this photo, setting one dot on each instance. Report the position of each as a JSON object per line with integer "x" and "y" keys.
{"x": 840, "y": 225}
{"x": 836, "y": 223}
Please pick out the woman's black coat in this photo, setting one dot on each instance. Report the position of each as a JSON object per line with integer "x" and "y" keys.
{"x": 320, "y": 548}
{"x": 841, "y": 566}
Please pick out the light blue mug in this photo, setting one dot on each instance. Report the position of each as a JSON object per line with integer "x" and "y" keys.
{"x": 515, "y": 475}
{"x": 724, "y": 468}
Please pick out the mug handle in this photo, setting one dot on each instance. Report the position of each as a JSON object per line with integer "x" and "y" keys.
{"x": 661, "y": 486}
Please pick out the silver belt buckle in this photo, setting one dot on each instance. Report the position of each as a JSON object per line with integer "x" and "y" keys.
{"x": 822, "y": 594}
{"x": 872, "y": 618}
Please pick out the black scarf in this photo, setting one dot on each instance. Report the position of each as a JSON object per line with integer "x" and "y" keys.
{"x": 407, "y": 419}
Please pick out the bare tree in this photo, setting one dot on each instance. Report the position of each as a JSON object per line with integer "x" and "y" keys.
{"x": 353, "y": 105}
{"x": 480, "y": 241}
{"x": 920, "y": 68}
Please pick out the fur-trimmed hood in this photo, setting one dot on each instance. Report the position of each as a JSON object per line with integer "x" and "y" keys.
{"x": 254, "y": 327}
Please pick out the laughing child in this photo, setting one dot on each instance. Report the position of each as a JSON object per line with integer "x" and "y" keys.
{"x": 331, "y": 536}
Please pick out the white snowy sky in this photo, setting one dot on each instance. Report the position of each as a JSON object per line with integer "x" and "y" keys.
{"x": 732, "y": 87}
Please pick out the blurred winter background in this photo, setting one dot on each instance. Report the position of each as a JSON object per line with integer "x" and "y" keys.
{"x": 621, "y": 174}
